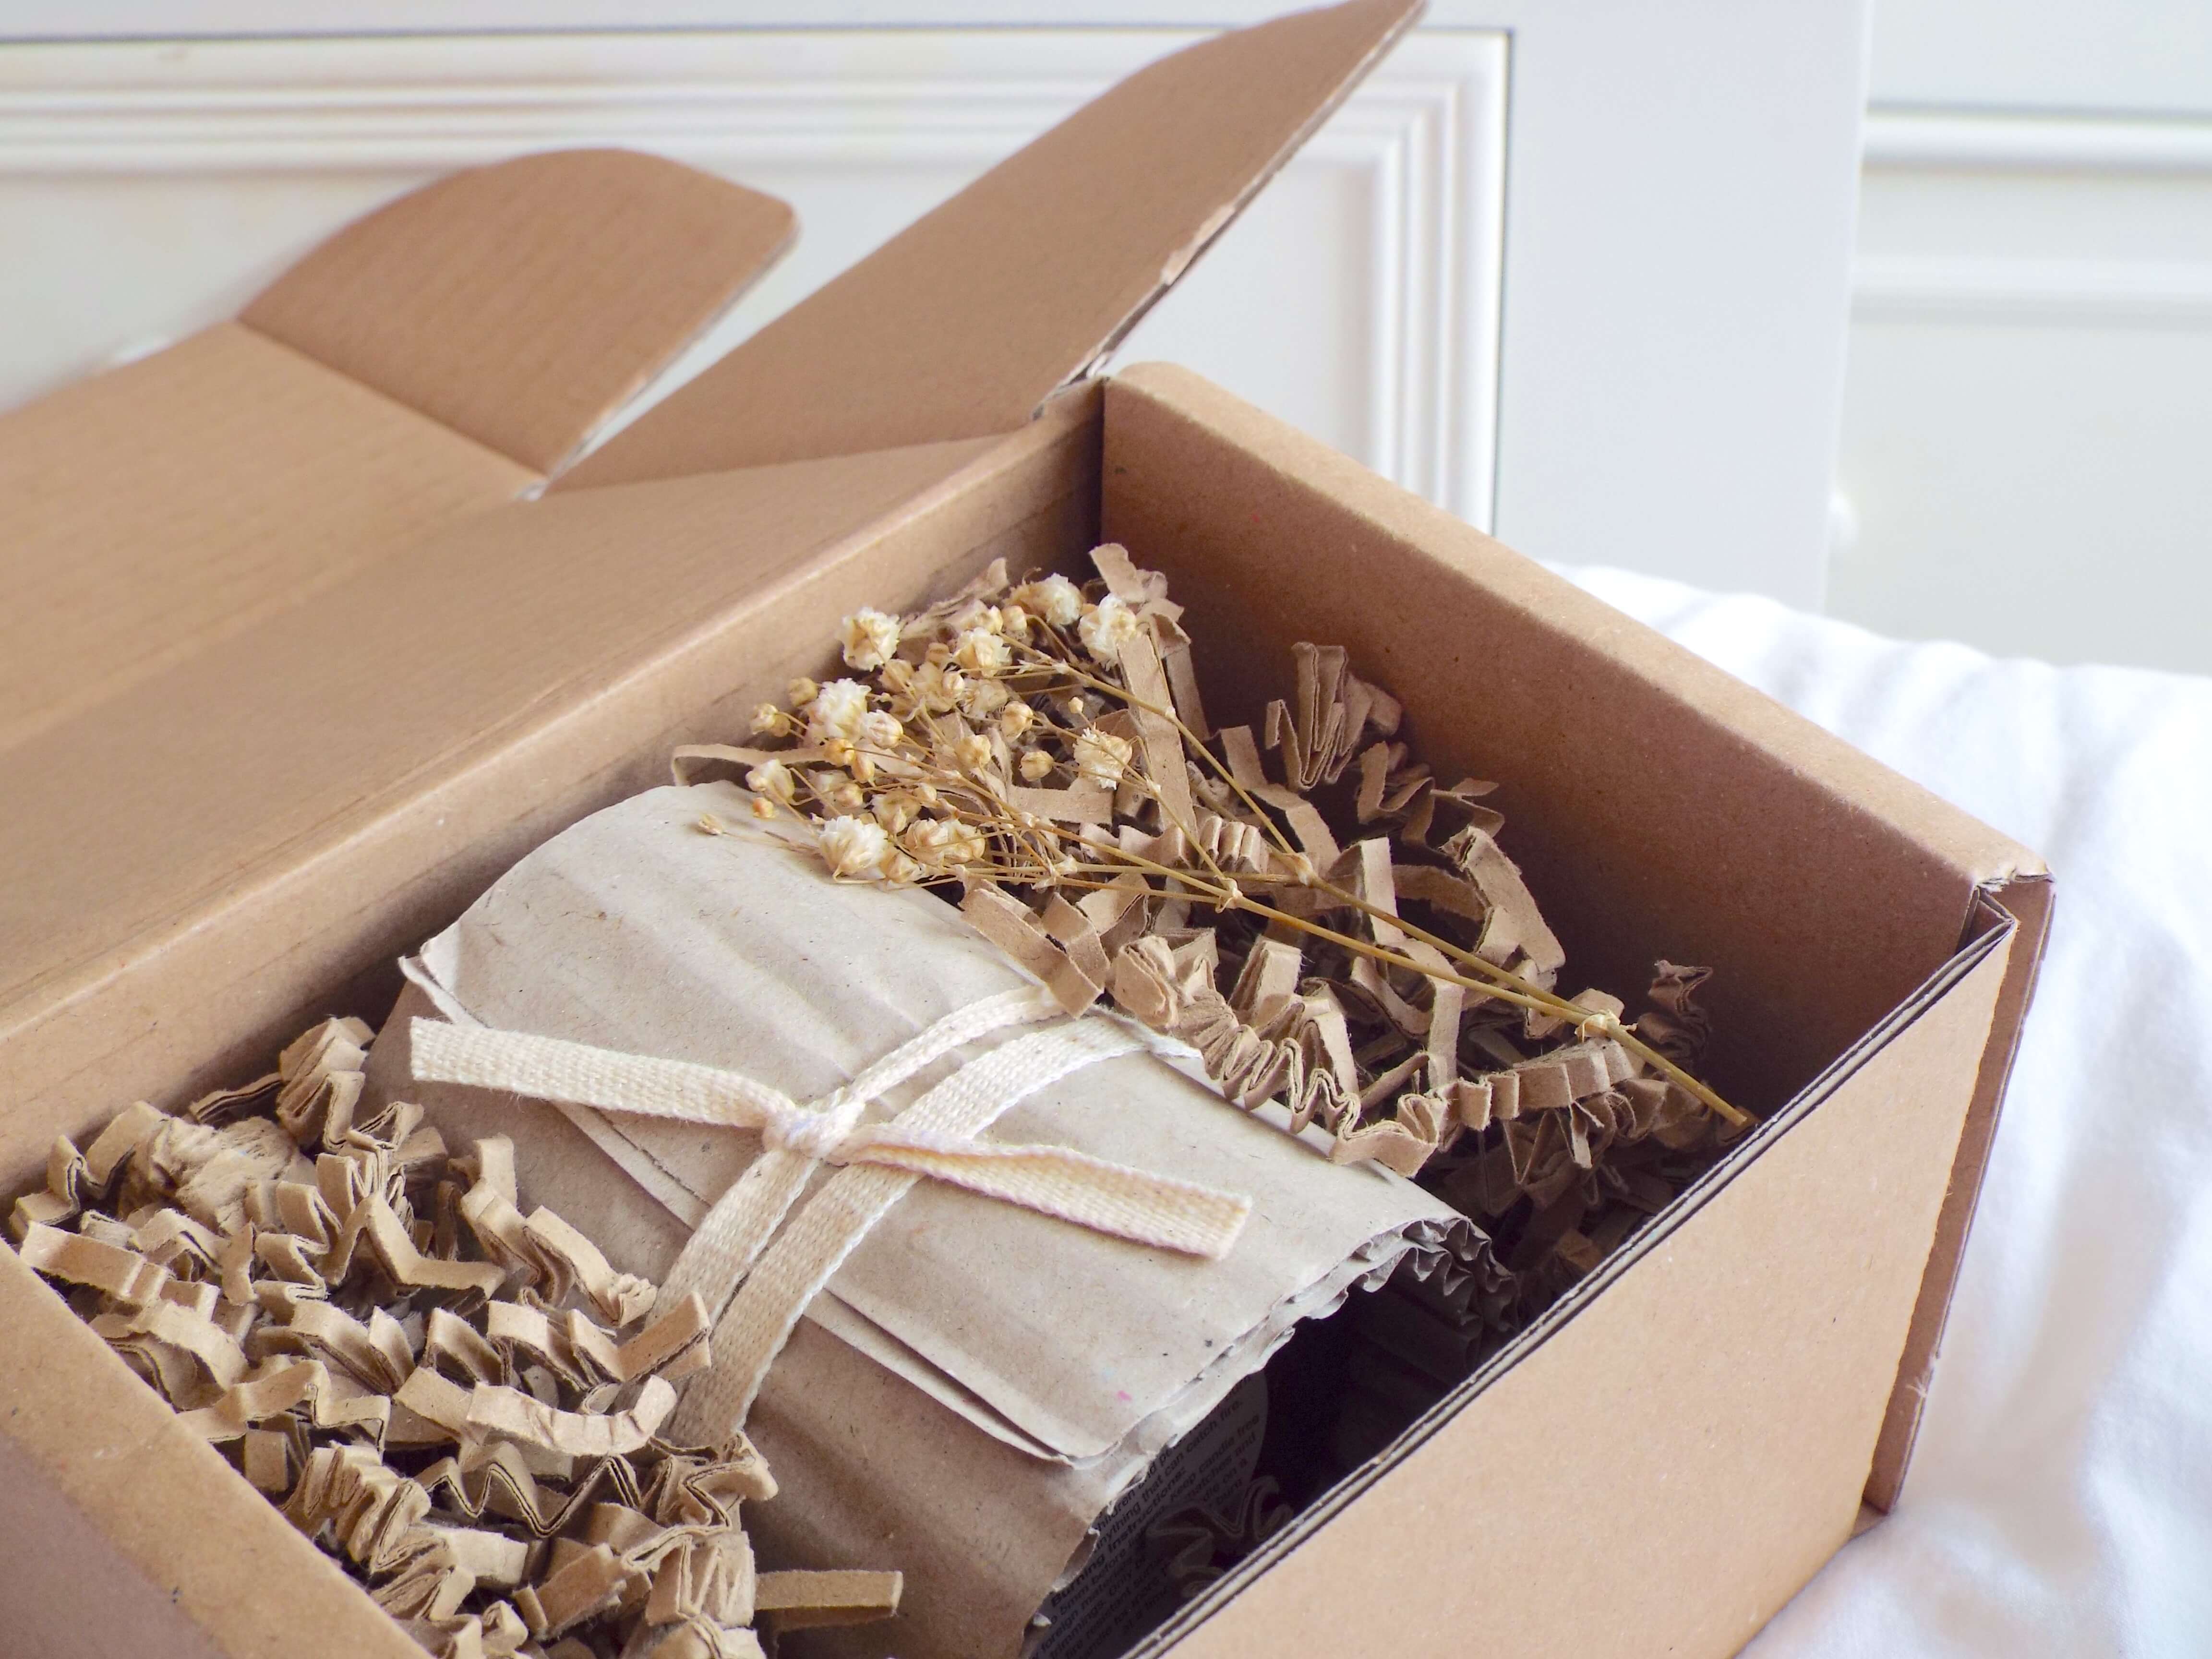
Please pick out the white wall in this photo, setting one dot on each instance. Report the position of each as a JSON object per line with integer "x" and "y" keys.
{"x": 2026, "y": 457}
{"x": 147, "y": 188}
{"x": 1578, "y": 268}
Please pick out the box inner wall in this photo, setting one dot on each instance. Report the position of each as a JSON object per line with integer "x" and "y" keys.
{"x": 1646, "y": 826}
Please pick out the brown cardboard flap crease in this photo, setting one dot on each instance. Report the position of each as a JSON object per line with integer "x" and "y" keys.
{"x": 298, "y": 676}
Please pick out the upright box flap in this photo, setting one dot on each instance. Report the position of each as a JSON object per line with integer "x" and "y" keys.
{"x": 359, "y": 670}
{"x": 961, "y": 325}
{"x": 172, "y": 503}
{"x": 435, "y": 357}
{"x": 524, "y": 303}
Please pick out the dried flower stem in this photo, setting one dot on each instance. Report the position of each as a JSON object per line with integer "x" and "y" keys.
{"x": 916, "y": 773}
{"x": 1502, "y": 982}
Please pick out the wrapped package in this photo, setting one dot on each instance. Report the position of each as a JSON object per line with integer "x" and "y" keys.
{"x": 978, "y": 1383}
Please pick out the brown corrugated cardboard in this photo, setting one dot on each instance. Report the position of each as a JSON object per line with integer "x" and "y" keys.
{"x": 1658, "y": 1466}
{"x": 1836, "y": 891}
{"x": 279, "y": 475}
{"x": 963, "y": 324}
{"x": 520, "y": 305}
{"x": 2028, "y": 897}
{"x": 441, "y": 355}
{"x": 216, "y": 846}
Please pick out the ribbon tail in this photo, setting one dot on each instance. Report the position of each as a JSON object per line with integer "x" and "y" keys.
{"x": 718, "y": 1255}
{"x": 553, "y": 1069}
{"x": 1107, "y": 1198}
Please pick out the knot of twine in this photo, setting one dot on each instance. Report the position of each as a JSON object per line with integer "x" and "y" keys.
{"x": 819, "y": 1134}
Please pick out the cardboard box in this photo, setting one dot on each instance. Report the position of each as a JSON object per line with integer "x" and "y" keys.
{"x": 292, "y": 677}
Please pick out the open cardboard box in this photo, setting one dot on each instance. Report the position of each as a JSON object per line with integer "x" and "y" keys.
{"x": 290, "y": 676}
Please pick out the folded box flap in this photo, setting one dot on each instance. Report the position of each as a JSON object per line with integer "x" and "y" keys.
{"x": 174, "y": 502}
{"x": 522, "y": 304}
{"x": 310, "y": 725}
{"x": 431, "y": 360}
{"x": 963, "y": 322}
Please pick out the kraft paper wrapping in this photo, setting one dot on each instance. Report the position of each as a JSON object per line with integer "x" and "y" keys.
{"x": 978, "y": 1383}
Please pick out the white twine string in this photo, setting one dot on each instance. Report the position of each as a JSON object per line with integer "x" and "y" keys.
{"x": 760, "y": 1289}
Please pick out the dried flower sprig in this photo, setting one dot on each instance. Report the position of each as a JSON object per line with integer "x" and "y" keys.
{"x": 1044, "y": 745}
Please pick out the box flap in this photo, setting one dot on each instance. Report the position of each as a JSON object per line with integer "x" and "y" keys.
{"x": 435, "y": 357}
{"x": 176, "y": 501}
{"x": 2026, "y": 899}
{"x": 185, "y": 827}
{"x": 961, "y": 325}
{"x": 524, "y": 303}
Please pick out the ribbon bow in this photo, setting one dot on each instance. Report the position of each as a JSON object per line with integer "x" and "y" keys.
{"x": 737, "y": 1259}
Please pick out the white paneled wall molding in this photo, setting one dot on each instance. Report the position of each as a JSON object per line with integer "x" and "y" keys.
{"x": 1996, "y": 140}
{"x": 2079, "y": 287}
{"x": 2030, "y": 398}
{"x": 1577, "y": 268}
{"x": 1907, "y": 287}
{"x": 1387, "y": 233}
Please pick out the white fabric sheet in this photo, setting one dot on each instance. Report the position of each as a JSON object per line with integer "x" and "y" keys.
{"x": 2060, "y": 1500}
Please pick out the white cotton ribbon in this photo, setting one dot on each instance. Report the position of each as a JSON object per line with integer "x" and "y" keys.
{"x": 760, "y": 1279}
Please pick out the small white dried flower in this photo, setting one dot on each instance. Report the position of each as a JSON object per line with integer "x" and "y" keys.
{"x": 800, "y": 692}
{"x": 1036, "y": 766}
{"x": 1107, "y": 627}
{"x": 763, "y": 807}
{"x": 944, "y": 843}
{"x": 935, "y": 688}
{"x": 894, "y": 809}
{"x": 972, "y": 753}
{"x": 1014, "y": 719}
{"x": 1014, "y": 623}
{"x": 880, "y": 730}
{"x": 857, "y": 849}
{"x": 974, "y": 614}
{"x": 980, "y": 699}
{"x": 835, "y": 711}
{"x": 1101, "y": 757}
{"x": 768, "y": 718}
{"x": 982, "y": 652}
{"x": 773, "y": 780}
{"x": 1055, "y": 598}
{"x": 869, "y": 638}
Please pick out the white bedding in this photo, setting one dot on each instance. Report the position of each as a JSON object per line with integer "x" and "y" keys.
{"x": 2060, "y": 1500}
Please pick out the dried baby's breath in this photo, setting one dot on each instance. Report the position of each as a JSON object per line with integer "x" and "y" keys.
{"x": 869, "y": 639}
{"x": 1341, "y": 936}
